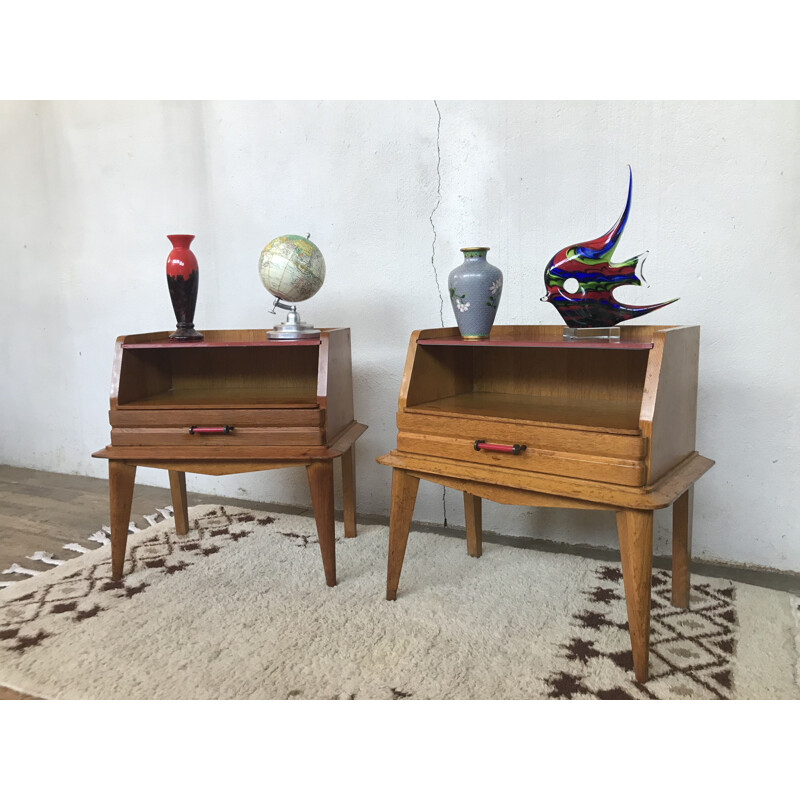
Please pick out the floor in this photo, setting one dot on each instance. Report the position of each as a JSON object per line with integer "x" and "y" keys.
{"x": 43, "y": 511}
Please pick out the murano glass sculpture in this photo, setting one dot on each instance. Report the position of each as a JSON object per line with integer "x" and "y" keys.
{"x": 587, "y": 299}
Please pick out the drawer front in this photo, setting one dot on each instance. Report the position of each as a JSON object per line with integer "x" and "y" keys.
{"x": 625, "y": 472}
{"x": 540, "y": 437}
{"x": 249, "y": 417}
{"x": 204, "y": 433}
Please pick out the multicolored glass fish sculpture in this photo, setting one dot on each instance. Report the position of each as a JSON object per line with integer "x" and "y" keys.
{"x": 592, "y": 304}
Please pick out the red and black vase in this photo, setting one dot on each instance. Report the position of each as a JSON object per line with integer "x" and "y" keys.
{"x": 182, "y": 279}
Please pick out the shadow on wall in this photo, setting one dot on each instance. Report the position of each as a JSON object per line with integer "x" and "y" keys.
{"x": 570, "y": 526}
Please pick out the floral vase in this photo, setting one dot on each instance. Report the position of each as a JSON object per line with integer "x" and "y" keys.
{"x": 475, "y": 289}
{"x": 182, "y": 279}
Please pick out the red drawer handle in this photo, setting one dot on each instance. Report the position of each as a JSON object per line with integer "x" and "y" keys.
{"x": 219, "y": 429}
{"x": 514, "y": 449}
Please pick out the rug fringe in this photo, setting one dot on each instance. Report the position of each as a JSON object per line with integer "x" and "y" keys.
{"x": 101, "y": 537}
{"x": 16, "y": 569}
{"x": 46, "y": 558}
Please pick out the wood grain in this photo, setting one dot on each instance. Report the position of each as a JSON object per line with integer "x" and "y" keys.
{"x": 279, "y": 373}
{"x": 222, "y": 397}
{"x": 598, "y": 468}
{"x": 668, "y": 416}
{"x": 658, "y": 495}
{"x": 150, "y": 371}
{"x": 180, "y": 508}
{"x": 593, "y": 379}
{"x": 509, "y": 496}
{"x": 260, "y": 417}
{"x": 349, "y": 491}
{"x": 541, "y": 333}
{"x": 682, "y": 513}
{"x": 218, "y": 467}
{"x": 216, "y": 452}
{"x": 437, "y": 373}
{"x": 45, "y": 511}
{"x": 543, "y": 437}
{"x": 635, "y": 530}
{"x": 335, "y": 381}
{"x": 568, "y": 411}
{"x": 239, "y": 436}
{"x": 320, "y": 481}
{"x": 141, "y": 377}
{"x": 121, "y": 478}
{"x": 607, "y": 426}
{"x": 404, "y": 496}
{"x": 474, "y": 524}
{"x": 289, "y": 404}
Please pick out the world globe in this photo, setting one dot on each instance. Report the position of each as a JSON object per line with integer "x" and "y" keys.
{"x": 292, "y": 268}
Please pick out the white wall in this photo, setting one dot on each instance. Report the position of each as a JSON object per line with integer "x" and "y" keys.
{"x": 89, "y": 190}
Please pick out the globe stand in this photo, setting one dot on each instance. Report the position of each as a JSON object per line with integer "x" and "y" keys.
{"x": 294, "y": 327}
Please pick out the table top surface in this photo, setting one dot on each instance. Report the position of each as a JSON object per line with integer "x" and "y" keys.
{"x": 578, "y": 345}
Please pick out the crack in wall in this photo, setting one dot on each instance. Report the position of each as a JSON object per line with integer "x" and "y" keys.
{"x": 433, "y": 253}
{"x": 435, "y": 207}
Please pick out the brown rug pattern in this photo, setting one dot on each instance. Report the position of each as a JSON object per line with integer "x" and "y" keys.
{"x": 24, "y": 620}
{"x": 43, "y": 561}
{"x": 558, "y": 629}
{"x": 692, "y": 651}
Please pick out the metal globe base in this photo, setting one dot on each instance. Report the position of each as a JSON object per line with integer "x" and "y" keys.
{"x": 294, "y": 327}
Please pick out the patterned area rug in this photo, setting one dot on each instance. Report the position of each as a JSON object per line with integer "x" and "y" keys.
{"x": 239, "y": 609}
{"x": 43, "y": 560}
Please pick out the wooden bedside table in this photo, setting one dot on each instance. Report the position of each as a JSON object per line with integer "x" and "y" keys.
{"x": 234, "y": 402}
{"x": 525, "y": 418}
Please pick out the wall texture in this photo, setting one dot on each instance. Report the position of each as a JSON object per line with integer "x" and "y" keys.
{"x": 390, "y": 191}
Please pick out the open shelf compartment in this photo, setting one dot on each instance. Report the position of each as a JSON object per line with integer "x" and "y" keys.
{"x": 218, "y": 374}
{"x": 577, "y": 387}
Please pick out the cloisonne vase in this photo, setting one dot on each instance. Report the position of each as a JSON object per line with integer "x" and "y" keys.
{"x": 475, "y": 289}
{"x": 182, "y": 279}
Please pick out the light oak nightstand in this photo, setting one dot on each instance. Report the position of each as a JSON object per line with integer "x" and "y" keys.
{"x": 526, "y": 418}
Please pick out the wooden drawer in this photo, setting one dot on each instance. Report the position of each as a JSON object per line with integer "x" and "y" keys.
{"x": 628, "y": 446}
{"x": 250, "y": 417}
{"x": 626, "y": 472}
{"x": 236, "y": 436}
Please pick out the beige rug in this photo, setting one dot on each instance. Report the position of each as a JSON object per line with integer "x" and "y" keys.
{"x": 239, "y": 609}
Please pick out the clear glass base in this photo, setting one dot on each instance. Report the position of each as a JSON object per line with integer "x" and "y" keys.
{"x": 591, "y": 334}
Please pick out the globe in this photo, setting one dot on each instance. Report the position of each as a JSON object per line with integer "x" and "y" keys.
{"x": 292, "y": 268}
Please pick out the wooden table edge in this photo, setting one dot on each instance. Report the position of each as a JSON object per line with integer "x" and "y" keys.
{"x": 612, "y": 496}
{"x": 138, "y": 454}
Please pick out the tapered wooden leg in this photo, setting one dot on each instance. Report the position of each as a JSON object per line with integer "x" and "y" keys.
{"x": 320, "y": 481}
{"x": 404, "y": 495}
{"x": 180, "y": 510}
{"x": 349, "y": 491}
{"x": 121, "y": 478}
{"x": 635, "y": 530}
{"x": 473, "y": 516}
{"x": 682, "y": 510}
